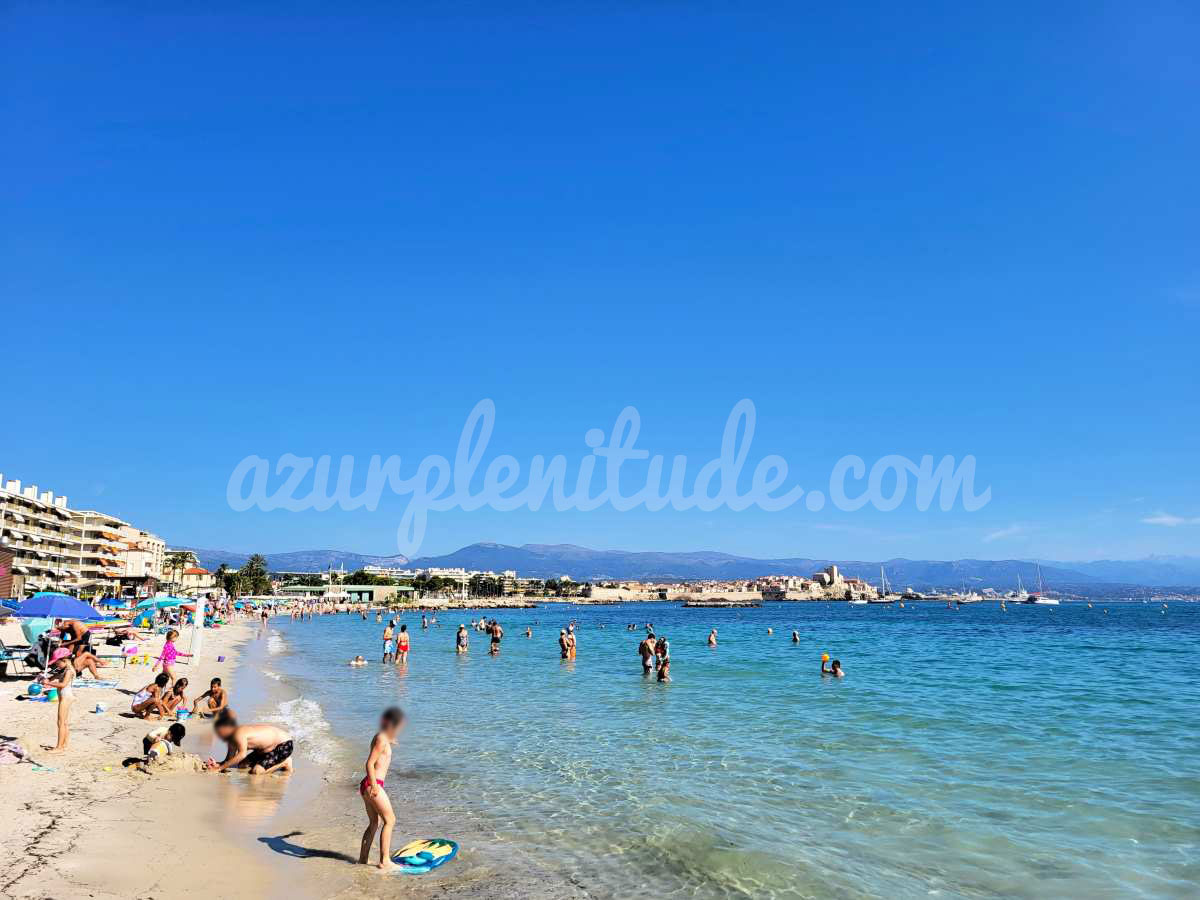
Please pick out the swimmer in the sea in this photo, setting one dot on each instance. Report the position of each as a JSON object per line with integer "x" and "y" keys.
{"x": 834, "y": 668}
{"x": 795, "y": 637}
{"x": 712, "y": 638}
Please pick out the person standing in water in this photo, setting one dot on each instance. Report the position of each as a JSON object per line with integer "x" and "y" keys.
{"x": 388, "y": 646}
{"x": 564, "y": 645}
{"x": 834, "y": 668}
{"x": 646, "y": 651}
{"x": 712, "y": 638}
{"x": 374, "y": 797}
{"x": 497, "y": 633}
{"x": 460, "y": 645}
{"x": 402, "y": 645}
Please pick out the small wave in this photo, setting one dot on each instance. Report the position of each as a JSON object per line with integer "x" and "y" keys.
{"x": 274, "y": 643}
{"x": 273, "y": 675}
{"x": 305, "y": 720}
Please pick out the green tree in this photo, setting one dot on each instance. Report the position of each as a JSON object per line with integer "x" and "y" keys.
{"x": 254, "y": 577}
{"x": 176, "y": 561}
{"x": 362, "y": 576}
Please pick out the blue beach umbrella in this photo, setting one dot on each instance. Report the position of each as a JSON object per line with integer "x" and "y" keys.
{"x": 48, "y": 605}
{"x": 112, "y": 601}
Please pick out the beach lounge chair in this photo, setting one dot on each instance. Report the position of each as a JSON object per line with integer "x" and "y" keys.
{"x": 13, "y": 655}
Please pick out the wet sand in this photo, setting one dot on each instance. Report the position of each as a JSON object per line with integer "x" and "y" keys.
{"x": 308, "y": 831}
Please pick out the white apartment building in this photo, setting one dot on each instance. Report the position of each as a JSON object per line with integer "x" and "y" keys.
{"x": 57, "y": 548}
{"x": 37, "y": 527}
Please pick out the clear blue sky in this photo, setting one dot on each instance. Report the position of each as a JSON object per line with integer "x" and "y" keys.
{"x": 900, "y": 229}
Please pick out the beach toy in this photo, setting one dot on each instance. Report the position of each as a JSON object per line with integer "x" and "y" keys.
{"x": 108, "y": 768}
{"x": 34, "y": 689}
{"x": 419, "y": 857}
{"x": 52, "y": 695}
{"x": 100, "y": 707}
{"x": 182, "y": 715}
{"x": 824, "y": 657}
{"x": 220, "y": 659}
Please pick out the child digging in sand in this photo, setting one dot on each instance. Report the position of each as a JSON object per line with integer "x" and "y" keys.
{"x": 216, "y": 697}
{"x": 150, "y": 698}
{"x": 375, "y": 798}
{"x": 157, "y": 742}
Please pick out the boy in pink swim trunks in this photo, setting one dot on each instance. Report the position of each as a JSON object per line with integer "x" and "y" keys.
{"x": 375, "y": 798}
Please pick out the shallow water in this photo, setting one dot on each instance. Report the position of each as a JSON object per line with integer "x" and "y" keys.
{"x": 1042, "y": 751}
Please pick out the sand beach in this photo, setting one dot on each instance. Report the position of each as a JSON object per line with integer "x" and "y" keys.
{"x": 80, "y": 824}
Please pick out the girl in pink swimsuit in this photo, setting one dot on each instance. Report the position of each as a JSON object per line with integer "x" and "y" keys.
{"x": 169, "y": 654}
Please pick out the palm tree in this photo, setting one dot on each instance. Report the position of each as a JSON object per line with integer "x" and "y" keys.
{"x": 177, "y": 561}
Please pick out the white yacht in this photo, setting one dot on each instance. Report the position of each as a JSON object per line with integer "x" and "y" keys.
{"x": 1038, "y": 597}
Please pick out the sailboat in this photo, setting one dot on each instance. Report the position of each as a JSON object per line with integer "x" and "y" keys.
{"x": 968, "y": 597}
{"x": 1020, "y": 595}
{"x": 884, "y": 595}
{"x": 1039, "y": 596}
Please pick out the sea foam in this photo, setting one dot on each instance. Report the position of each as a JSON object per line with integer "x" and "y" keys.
{"x": 305, "y": 720}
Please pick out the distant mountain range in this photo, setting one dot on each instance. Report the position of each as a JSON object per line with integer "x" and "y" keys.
{"x": 297, "y": 560}
{"x": 584, "y": 564}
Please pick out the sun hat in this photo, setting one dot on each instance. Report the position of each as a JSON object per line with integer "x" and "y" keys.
{"x": 59, "y": 654}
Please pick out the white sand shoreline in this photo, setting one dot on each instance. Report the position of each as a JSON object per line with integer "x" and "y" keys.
{"x": 88, "y": 827}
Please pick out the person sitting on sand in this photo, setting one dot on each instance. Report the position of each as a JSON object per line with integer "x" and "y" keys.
{"x": 150, "y": 698}
{"x": 712, "y": 638}
{"x": 834, "y": 668}
{"x": 175, "y": 698}
{"x": 374, "y": 797}
{"x": 77, "y": 638}
{"x": 167, "y": 735}
{"x": 62, "y": 674}
{"x": 216, "y": 697}
{"x": 261, "y": 748}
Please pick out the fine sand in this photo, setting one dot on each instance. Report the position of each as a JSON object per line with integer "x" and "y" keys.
{"x": 86, "y": 826}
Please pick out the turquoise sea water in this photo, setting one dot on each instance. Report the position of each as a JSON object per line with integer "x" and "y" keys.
{"x": 1038, "y": 752}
